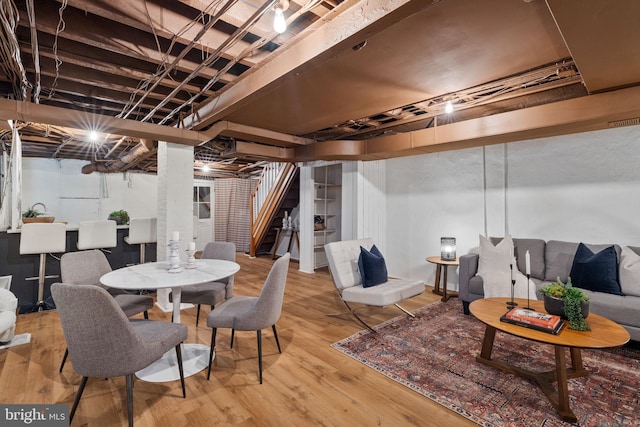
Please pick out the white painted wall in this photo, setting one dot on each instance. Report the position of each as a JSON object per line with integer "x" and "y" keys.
{"x": 72, "y": 196}
{"x": 581, "y": 187}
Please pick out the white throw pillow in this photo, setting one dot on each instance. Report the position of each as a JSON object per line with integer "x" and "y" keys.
{"x": 494, "y": 268}
{"x": 629, "y": 272}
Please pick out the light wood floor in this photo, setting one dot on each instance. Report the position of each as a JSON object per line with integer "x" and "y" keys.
{"x": 309, "y": 384}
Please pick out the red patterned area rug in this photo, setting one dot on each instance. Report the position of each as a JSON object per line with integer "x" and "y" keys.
{"x": 434, "y": 355}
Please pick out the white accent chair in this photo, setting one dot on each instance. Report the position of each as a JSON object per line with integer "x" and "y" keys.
{"x": 141, "y": 232}
{"x": 8, "y": 307}
{"x": 97, "y": 235}
{"x": 41, "y": 239}
{"x": 343, "y": 265}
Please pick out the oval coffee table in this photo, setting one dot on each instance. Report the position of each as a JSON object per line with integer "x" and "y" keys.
{"x": 604, "y": 333}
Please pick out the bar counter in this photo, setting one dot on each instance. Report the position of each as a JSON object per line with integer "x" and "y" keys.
{"x": 23, "y": 266}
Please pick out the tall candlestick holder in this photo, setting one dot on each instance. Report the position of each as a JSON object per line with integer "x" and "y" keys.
{"x": 528, "y": 278}
{"x": 191, "y": 259}
{"x": 512, "y": 303}
{"x": 174, "y": 256}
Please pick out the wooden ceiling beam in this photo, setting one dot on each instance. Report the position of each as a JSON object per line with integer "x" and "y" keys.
{"x": 80, "y": 90}
{"x": 164, "y": 21}
{"x": 145, "y": 64}
{"x": 104, "y": 35}
{"x": 237, "y": 15}
{"x": 107, "y": 67}
{"x": 91, "y": 78}
{"x": 38, "y": 113}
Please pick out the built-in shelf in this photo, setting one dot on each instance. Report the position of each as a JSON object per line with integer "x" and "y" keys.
{"x": 327, "y": 204}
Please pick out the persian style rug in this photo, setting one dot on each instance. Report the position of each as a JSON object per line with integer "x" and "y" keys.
{"x": 434, "y": 355}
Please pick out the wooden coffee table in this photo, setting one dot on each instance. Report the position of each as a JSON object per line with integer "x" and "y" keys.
{"x": 604, "y": 333}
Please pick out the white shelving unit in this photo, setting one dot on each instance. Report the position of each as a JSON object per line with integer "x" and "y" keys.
{"x": 327, "y": 207}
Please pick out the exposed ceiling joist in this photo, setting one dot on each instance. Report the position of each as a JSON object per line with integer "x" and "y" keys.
{"x": 352, "y": 79}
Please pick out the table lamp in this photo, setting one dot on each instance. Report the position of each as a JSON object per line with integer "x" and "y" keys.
{"x": 448, "y": 248}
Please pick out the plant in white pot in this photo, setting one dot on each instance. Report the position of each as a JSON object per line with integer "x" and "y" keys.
{"x": 567, "y": 302}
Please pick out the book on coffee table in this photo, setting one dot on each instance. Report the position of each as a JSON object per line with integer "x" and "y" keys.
{"x": 544, "y": 322}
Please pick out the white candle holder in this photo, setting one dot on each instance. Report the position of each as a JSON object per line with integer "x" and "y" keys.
{"x": 174, "y": 256}
{"x": 191, "y": 259}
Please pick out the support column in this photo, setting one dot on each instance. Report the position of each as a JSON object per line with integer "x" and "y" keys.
{"x": 175, "y": 204}
{"x": 307, "y": 194}
{"x": 16, "y": 179}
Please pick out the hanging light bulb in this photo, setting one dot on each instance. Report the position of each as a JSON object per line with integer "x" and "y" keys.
{"x": 448, "y": 108}
{"x": 93, "y": 136}
{"x": 279, "y": 23}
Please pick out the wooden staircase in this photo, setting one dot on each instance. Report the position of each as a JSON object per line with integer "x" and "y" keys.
{"x": 277, "y": 191}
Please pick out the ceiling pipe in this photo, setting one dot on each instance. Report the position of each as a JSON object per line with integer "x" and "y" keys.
{"x": 251, "y": 133}
{"x": 35, "y": 52}
{"x": 144, "y": 148}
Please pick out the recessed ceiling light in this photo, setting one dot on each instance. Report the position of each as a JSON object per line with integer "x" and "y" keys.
{"x": 448, "y": 108}
{"x": 359, "y": 46}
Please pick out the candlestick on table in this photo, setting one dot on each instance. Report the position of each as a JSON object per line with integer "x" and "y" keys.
{"x": 512, "y": 303}
{"x": 191, "y": 251}
{"x": 174, "y": 256}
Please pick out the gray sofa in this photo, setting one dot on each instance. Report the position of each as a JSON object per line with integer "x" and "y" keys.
{"x": 550, "y": 260}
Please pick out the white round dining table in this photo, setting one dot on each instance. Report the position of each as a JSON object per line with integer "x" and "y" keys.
{"x": 156, "y": 275}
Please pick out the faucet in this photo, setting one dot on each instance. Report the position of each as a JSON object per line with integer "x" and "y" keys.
{"x": 41, "y": 204}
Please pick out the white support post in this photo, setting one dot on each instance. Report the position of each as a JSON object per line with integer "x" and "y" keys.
{"x": 175, "y": 204}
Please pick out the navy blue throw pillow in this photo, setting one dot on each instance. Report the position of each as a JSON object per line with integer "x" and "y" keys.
{"x": 373, "y": 269}
{"x": 596, "y": 272}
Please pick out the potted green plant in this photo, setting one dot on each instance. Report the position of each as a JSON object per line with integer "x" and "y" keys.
{"x": 34, "y": 215}
{"x": 568, "y": 302}
{"x": 31, "y": 213}
{"x": 121, "y": 217}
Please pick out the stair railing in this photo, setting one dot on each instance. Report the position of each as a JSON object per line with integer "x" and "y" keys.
{"x": 269, "y": 176}
{"x": 266, "y": 199}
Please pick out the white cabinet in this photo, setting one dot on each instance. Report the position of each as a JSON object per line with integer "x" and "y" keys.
{"x": 327, "y": 203}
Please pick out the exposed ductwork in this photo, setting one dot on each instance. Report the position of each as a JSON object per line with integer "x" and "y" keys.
{"x": 145, "y": 148}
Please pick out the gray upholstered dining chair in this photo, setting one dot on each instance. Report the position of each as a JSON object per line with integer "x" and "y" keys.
{"x": 211, "y": 293}
{"x": 244, "y": 313}
{"x": 124, "y": 346}
{"x": 86, "y": 268}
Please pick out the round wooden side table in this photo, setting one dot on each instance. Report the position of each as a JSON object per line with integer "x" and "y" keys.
{"x": 441, "y": 265}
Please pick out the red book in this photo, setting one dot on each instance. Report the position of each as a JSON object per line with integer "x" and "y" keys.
{"x": 534, "y": 319}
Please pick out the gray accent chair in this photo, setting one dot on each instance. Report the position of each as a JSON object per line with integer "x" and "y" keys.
{"x": 86, "y": 268}
{"x": 104, "y": 343}
{"x": 211, "y": 293}
{"x": 244, "y": 313}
